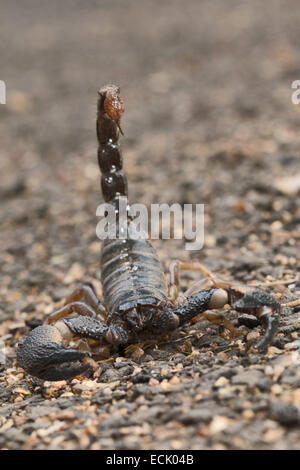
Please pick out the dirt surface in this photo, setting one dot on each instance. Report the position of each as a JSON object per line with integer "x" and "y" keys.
{"x": 209, "y": 119}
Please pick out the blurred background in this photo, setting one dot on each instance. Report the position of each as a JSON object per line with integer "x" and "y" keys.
{"x": 209, "y": 119}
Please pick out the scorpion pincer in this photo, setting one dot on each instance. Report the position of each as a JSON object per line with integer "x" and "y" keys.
{"x": 136, "y": 305}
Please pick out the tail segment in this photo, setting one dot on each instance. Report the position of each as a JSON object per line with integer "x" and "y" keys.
{"x": 130, "y": 270}
{"x": 110, "y": 110}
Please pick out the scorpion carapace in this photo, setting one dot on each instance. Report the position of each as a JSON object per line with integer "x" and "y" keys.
{"x": 137, "y": 306}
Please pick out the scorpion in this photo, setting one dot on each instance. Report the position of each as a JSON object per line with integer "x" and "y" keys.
{"x": 138, "y": 305}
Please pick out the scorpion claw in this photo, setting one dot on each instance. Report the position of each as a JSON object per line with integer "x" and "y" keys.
{"x": 42, "y": 353}
{"x": 260, "y": 303}
{"x": 254, "y": 299}
{"x": 54, "y": 374}
{"x": 271, "y": 328}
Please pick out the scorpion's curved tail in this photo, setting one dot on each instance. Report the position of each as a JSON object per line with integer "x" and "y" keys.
{"x": 110, "y": 110}
{"x": 131, "y": 273}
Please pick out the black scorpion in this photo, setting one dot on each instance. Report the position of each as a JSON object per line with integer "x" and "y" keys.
{"x": 137, "y": 307}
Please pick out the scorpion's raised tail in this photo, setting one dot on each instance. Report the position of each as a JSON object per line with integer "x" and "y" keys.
{"x": 110, "y": 110}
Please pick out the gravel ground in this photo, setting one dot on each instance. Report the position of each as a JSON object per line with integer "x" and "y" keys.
{"x": 209, "y": 119}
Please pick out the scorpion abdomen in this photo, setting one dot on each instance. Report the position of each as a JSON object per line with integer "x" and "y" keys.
{"x": 131, "y": 275}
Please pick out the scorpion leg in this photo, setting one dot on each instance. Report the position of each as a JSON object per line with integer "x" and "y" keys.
{"x": 87, "y": 294}
{"x": 83, "y": 301}
{"x": 198, "y": 286}
{"x": 74, "y": 307}
{"x": 173, "y": 281}
{"x": 220, "y": 319}
{"x": 203, "y": 284}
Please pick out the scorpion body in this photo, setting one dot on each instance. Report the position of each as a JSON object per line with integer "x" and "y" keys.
{"x": 131, "y": 273}
{"x": 137, "y": 305}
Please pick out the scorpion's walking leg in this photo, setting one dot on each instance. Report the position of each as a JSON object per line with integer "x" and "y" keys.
{"x": 220, "y": 319}
{"x": 83, "y": 301}
{"x": 242, "y": 298}
{"x": 177, "y": 266}
{"x": 210, "y": 281}
{"x": 203, "y": 284}
{"x": 173, "y": 287}
{"x": 85, "y": 294}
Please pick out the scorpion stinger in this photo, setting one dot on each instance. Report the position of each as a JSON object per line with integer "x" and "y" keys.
{"x": 136, "y": 306}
